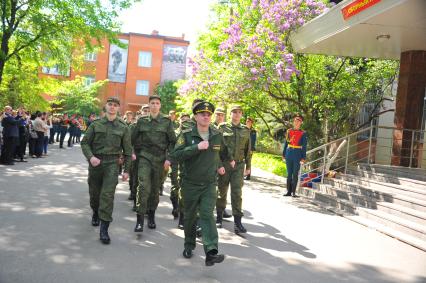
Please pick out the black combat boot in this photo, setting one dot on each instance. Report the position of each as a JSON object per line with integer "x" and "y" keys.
{"x": 226, "y": 214}
{"x": 139, "y": 223}
{"x": 212, "y": 257}
{"x": 238, "y": 227}
{"x": 95, "y": 219}
{"x": 187, "y": 253}
{"x": 181, "y": 223}
{"x": 103, "y": 232}
{"x": 288, "y": 189}
{"x": 175, "y": 211}
{"x": 151, "y": 219}
{"x": 219, "y": 218}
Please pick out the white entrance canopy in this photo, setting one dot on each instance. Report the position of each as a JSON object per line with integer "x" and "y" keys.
{"x": 383, "y": 30}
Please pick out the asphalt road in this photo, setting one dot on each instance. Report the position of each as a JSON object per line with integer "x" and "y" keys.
{"x": 46, "y": 236}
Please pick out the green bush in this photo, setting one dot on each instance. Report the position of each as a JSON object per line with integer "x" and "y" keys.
{"x": 269, "y": 162}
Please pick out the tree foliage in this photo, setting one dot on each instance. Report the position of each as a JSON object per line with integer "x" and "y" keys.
{"x": 75, "y": 97}
{"x": 246, "y": 57}
{"x": 53, "y": 27}
{"x": 168, "y": 92}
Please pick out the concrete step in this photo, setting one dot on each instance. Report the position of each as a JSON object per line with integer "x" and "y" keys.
{"x": 347, "y": 195}
{"x": 397, "y": 171}
{"x": 338, "y": 206}
{"x": 388, "y": 187}
{"x": 403, "y": 237}
{"x": 388, "y": 178}
{"x": 381, "y": 194}
{"x": 415, "y": 230}
{"x": 403, "y": 212}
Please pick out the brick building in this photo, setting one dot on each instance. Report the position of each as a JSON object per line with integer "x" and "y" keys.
{"x": 134, "y": 71}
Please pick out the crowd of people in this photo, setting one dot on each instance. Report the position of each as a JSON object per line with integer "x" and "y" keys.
{"x": 26, "y": 135}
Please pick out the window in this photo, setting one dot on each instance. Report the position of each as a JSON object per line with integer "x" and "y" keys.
{"x": 90, "y": 56}
{"x": 142, "y": 87}
{"x": 88, "y": 80}
{"x": 145, "y": 59}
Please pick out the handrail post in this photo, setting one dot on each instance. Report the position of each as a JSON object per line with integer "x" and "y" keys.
{"x": 369, "y": 141}
{"x": 324, "y": 161}
{"x": 347, "y": 153}
{"x": 411, "y": 148}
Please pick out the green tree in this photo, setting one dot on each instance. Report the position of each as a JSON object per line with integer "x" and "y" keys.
{"x": 168, "y": 92}
{"x": 246, "y": 56}
{"x": 28, "y": 26}
{"x": 75, "y": 97}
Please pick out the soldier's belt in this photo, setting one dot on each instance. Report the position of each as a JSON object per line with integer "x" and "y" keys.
{"x": 294, "y": 146}
{"x": 107, "y": 157}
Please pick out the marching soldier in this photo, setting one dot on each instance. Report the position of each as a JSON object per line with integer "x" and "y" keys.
{"x": 153, "y": 138}
{"x": 202, "y": 151}
{"x": 237, "y": 140}
{"x": 105, "y": 140}
{"x": 219, "y": 114}
{"x": 133, "y": 178}
{"x": 294, "y": 153}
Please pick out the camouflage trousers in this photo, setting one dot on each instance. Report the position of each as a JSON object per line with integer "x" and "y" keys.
{"x": 235, "y": 178}
{"x": 103, "y": 180}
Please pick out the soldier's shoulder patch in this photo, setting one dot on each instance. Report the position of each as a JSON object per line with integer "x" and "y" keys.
{"x": 181, "y": 140}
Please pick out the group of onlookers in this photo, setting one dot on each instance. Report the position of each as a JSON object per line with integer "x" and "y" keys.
{"x": 20, "y": 129}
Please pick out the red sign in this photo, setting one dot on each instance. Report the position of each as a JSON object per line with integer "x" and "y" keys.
{"x": 356, "y": 7}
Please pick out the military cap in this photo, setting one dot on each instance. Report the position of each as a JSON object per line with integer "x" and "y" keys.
{"x": 203, "y": 107}
{"x": 172, "y": 112}
{"x": 298, "y": 116}
{"x": 219, "y": 110}
{"x": 113, "y": 99}
{"x": 236, "y": 107}
{"x": 250, "y": 119}
{"x": 184, "y": 115}
{"x": 196, "y": 101}
{"x": 154, "y": 97}
{"x": 145, "y": 106}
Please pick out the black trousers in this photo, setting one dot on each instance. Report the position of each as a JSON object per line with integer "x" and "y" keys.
{"x": 8, "y": 149}
{"x": 63, "y": 131}
{"x": 39, "y": 144}
{"x": 22, "y": 143}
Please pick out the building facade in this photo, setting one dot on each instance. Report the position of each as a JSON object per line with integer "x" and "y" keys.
{"x": 134, "y": 71}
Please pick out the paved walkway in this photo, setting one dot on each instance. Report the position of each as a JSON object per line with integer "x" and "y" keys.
{"x": 46, "y": 236}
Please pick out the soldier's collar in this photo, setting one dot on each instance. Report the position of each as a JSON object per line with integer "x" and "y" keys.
{"x": 236, "y": 126}
{"x": 195, "y": 133}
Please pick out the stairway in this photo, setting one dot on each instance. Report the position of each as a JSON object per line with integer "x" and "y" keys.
{"x": 389, "y": 199}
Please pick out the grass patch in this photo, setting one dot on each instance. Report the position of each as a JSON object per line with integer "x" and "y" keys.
{"x": 269, "y": 162}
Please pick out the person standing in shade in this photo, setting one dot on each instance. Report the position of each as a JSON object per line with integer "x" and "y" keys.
{"x": 294, "y": 153}
{"x": 237, "y": 140}
{"x": 253, "y": 137}
{"x": 203, "y": 153}
{"x": 64, "y": 122}
{"x": 105, "y": 140}
{"x": 153, "y": 139}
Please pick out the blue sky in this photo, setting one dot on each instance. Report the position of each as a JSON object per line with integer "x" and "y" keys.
{"x": 169, "y": 17}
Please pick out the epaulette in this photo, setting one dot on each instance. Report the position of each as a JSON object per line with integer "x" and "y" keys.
{"x": 122, "y": 121}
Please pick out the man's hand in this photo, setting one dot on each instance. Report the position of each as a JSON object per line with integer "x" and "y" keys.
{"x": 203, "y": 145}
{"x": 125, "y": 177}
{"x": 133, "y": 157}
{"x": 221, "y": 171}
{"x": 247, "y": 172}
{"x": 302, "y": 161}
{"x": 95, "y": 161}
{"x": 232, "y": 163}
{"x": 167, "y": 165}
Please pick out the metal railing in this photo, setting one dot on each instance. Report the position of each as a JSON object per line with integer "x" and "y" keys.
{"x": 372, "y": 145}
